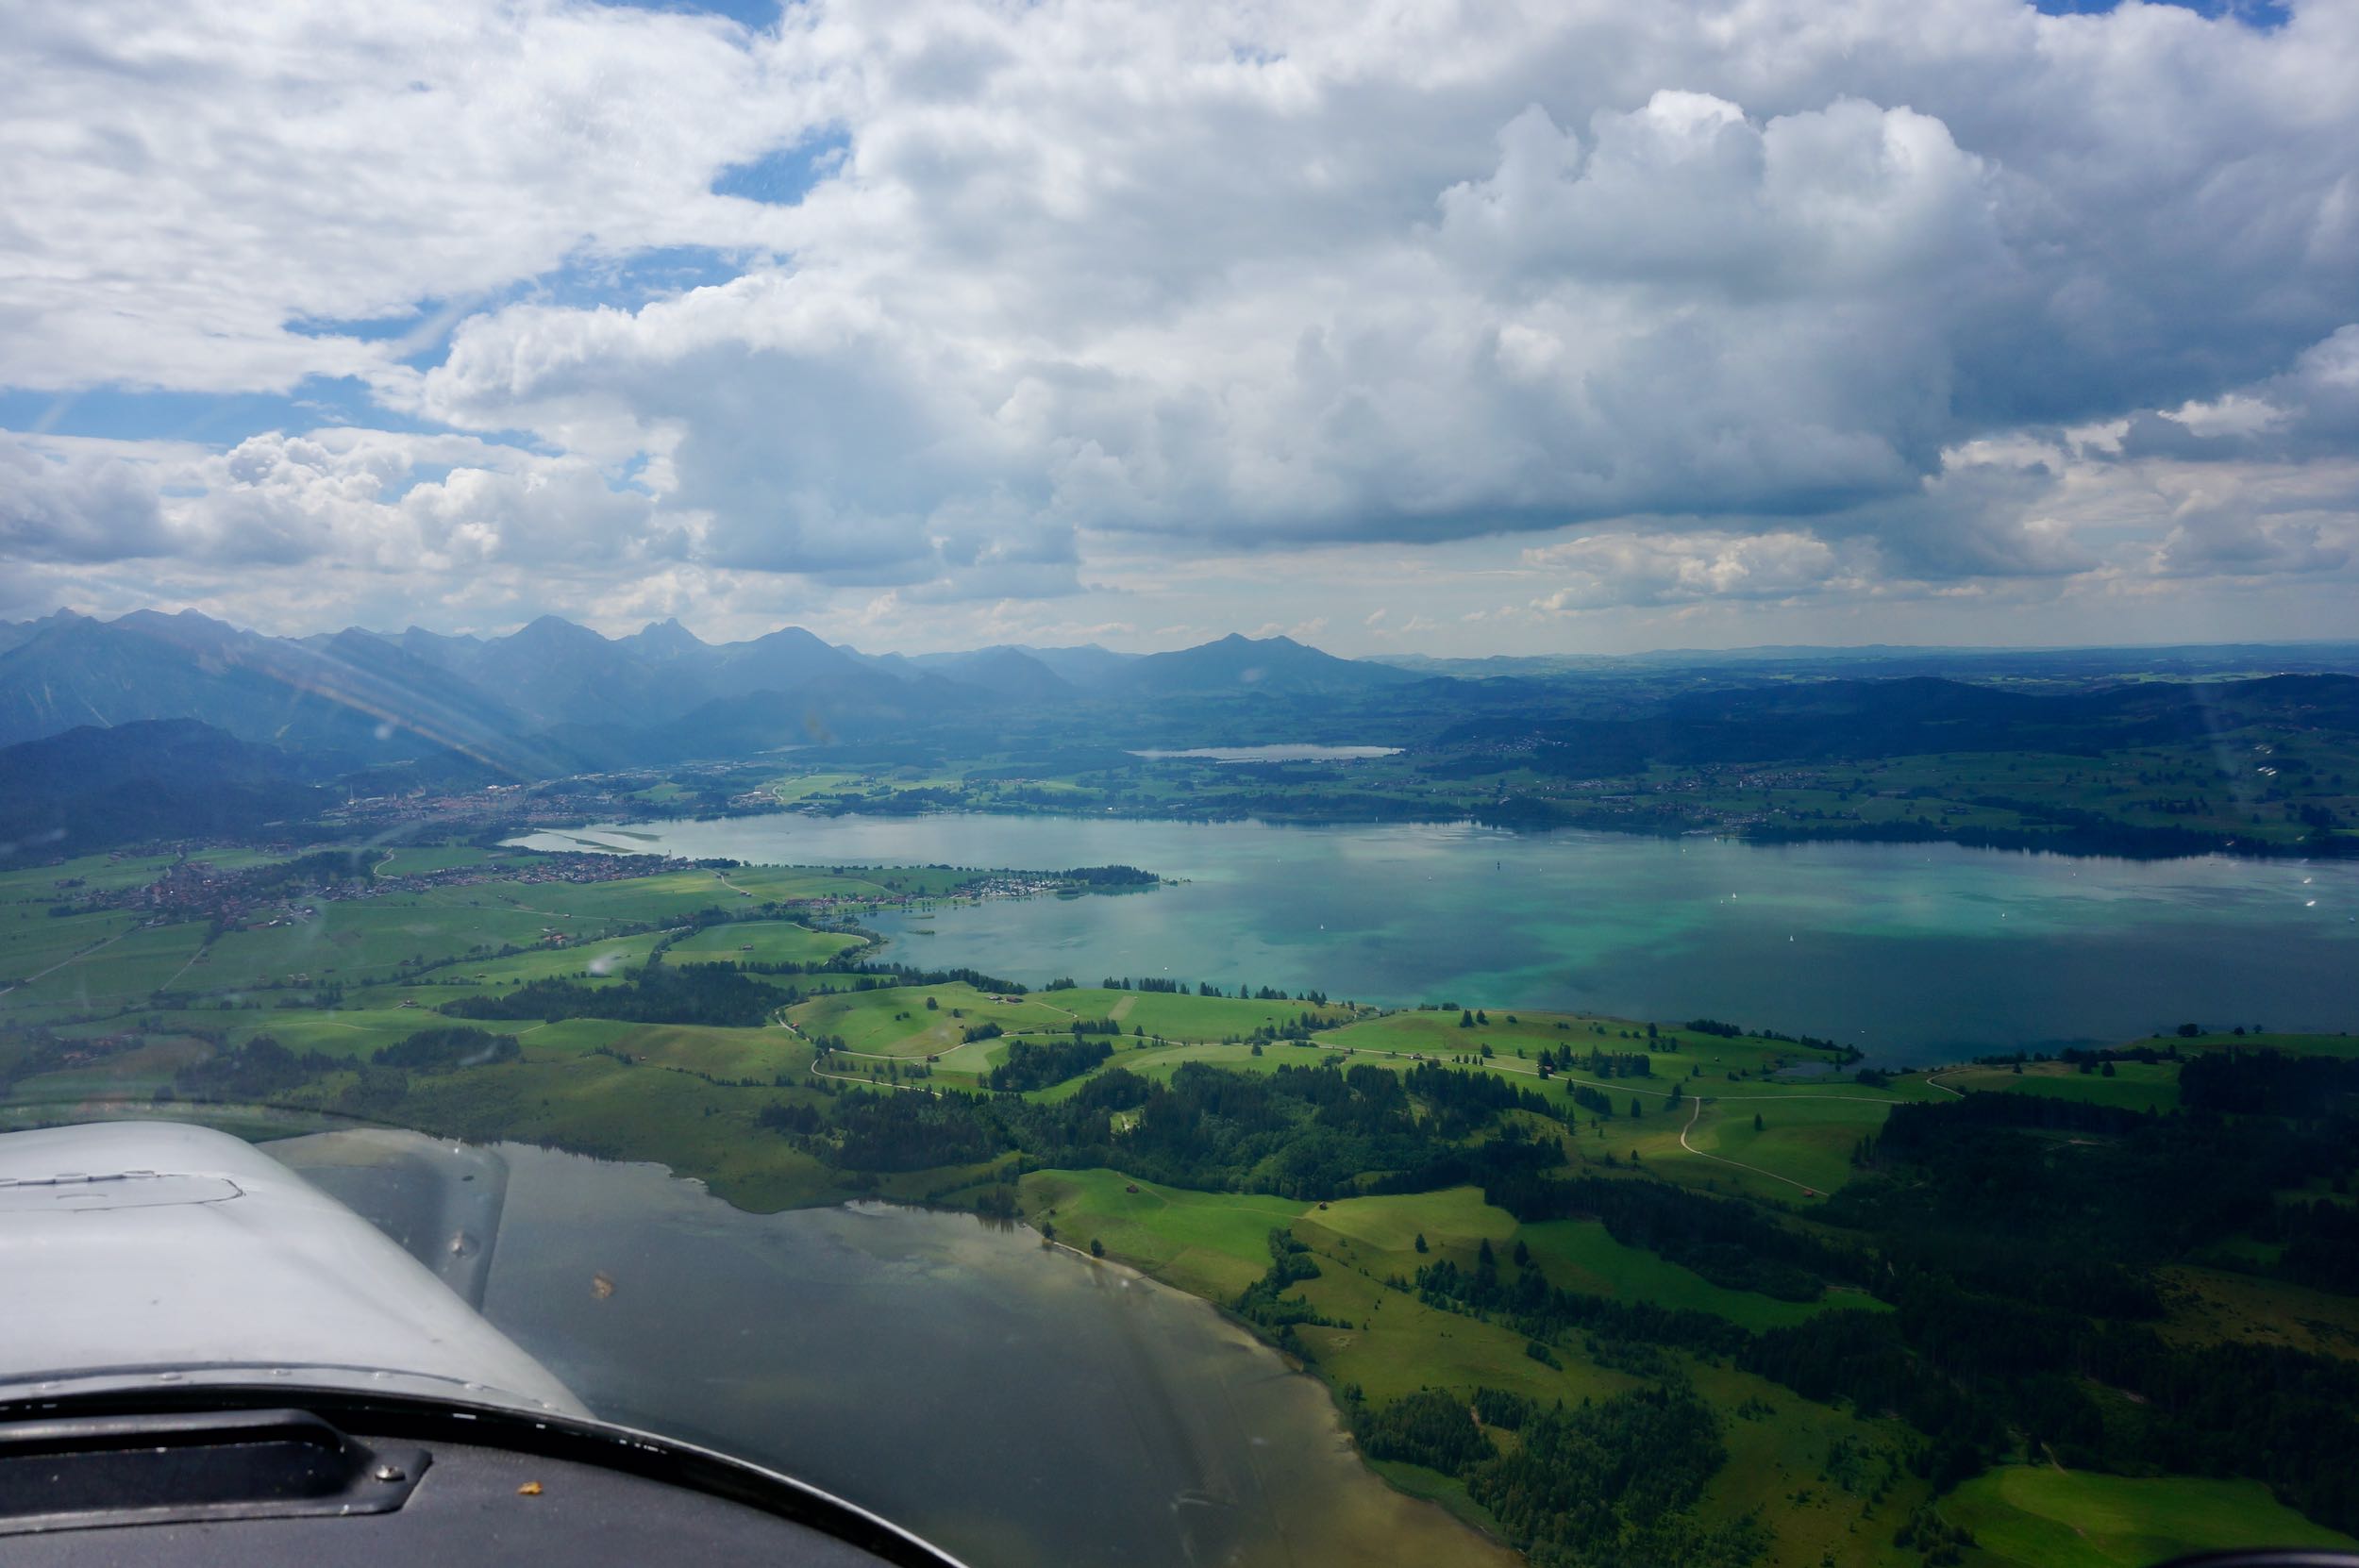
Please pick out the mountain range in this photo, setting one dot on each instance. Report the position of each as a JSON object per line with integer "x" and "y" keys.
{"x": 555, "y": 696}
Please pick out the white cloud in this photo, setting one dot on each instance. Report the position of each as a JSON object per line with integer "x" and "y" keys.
{"x": 1764, "y": 302}
{"x": 77, "y": 502}
{"x": 2232, "y": 414}
{"x": 1611, "y": 569}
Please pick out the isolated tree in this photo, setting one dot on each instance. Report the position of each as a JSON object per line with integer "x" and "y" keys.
{"x": 1756, "y": 1121}
{"x": 1421, "y": 1241}
{"x": 1636, "y": 1110}
{"x": 1097, "y": 1248}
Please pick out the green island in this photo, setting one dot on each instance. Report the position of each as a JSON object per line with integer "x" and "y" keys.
{"x": 1609, "y": 1290}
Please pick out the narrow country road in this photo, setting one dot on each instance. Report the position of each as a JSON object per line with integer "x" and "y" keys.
{"x": 1700, "y": 1154}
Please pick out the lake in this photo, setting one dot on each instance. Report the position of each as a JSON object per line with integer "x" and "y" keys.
{"x": 1913, "y": 952}
{"x": 1016, "y": 1404}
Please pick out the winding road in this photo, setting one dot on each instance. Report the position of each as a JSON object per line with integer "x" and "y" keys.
{"x": 1695, "y": 1115}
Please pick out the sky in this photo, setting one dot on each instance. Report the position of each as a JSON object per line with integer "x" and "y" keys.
{"x": 1572, "y": 325}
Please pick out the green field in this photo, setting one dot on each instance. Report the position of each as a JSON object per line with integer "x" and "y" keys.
{"x": 2042, "y": 1517}
{"x": 728, "y": 1054}
{"x": 763, "y": 942}
{"x": 356, "y": 1033}
{"x": 356, "y": 940}
{"x": 592, "y": 962}
{"x": 2344, "y": 1044}
{"x": 1166, "y": 1015}
{"x": 1802, "y": 1140}
{"x": 33, "y": 939}
{"x": 1438, "y": 1031}
{"x": 1577, "y": 1255}
{"x": 118, "y": 973}
{"x": 416, "y": 859}
{"x": 115, "y": 872}
{"x": 1214, "y": 1244}
{"x": 2135, "y": 1086}
{"x": 895, "y": 1022}
{"x": 2210, "y": 1304}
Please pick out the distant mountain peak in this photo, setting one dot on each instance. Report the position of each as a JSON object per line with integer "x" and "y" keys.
{"x": 797, "y": 635}
{"x": 546, "y": 627}
{"x": 666, "y": 639}
{"x": 1271, "y": 664}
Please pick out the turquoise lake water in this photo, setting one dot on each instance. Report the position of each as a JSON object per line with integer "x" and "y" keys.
{"x": 1911, "y": 952}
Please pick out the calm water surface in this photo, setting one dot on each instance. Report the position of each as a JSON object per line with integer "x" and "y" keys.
{"x": 1913, "y": 952}
{"x": 1018, "y": 1406}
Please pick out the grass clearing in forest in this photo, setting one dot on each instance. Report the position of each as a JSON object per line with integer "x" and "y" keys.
{"x": 1577, "y": 1255}
{"x": 761, "y": 941}
{"x": 2132, "y": 1086}
{"x": 1214, "y": 1244}
{"x": 2208, "y": 1305}
{"x": 2043, "y": 1517}
{"x": 418, "y": 859}
{"x": 895, "y": 1022}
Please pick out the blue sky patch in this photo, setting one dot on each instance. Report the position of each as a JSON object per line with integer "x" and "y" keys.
{"x": 211, "y": 419}
{"x": 587, "y": 281}
{"x": 783, "y": 177}
{"x": 756, "y": 14}
{"x": 217, "y": 420}
{"x": 2265, "y": 15}
{"x": 373, "y": 330}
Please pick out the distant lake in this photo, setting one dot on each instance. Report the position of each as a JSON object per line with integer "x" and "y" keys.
{"x": 1277, "y": 754}
{"x": 1913, "y": 952}
{"x": 1014, "y": 1405}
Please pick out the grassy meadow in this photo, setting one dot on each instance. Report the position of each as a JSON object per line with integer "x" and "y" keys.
{"x": 2039, "y": 1516}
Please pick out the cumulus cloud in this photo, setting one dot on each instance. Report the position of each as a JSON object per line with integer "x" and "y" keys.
{"x": 364, "y": 498}
{"x": 1752, "y": 303}
{"x": 1631, "y": 568}
{"x": 76, "y": 504}
{"x": 2232, "y": 414}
